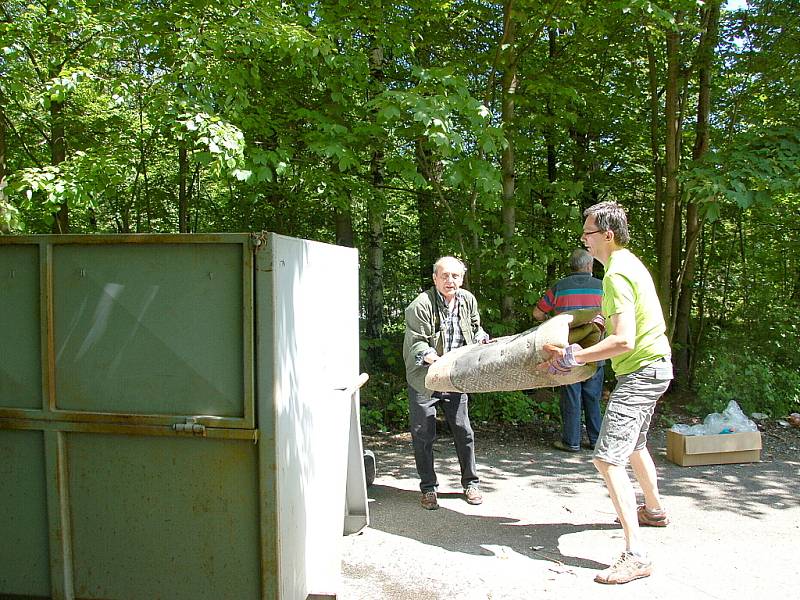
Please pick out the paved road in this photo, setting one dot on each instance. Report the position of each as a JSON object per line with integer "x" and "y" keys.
{"x": 547, "y": 526}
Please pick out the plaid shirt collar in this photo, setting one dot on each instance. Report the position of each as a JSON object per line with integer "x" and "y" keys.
{"x": 450, "y": 325}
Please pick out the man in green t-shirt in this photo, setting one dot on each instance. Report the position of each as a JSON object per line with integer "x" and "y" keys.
{"x": 639, "y": 351}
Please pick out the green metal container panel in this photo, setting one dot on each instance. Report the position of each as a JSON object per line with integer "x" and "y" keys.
{"x": 177, "y": 509}
{"x": 24, "y": 549}
{"x": 20, "y": 350}
{"x": 178, "y": 416}
{"x": 153, "y": 329}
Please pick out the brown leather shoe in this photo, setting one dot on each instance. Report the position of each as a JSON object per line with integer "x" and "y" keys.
{"x": 651, "y": 519}
{"x": 428, "y": 501}
{"x": 648, "y": 518}
{"x": 473, "y": 495}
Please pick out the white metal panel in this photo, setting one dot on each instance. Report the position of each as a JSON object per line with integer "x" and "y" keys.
{"x": 315, "y": 340}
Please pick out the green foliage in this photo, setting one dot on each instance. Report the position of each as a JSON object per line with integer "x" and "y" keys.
{"x": 310, "y": 118}
{"x": 756, "y": 382}
{"x": 547, "y": 404}
{"x": 759, "y": 166}
{"x": 217, "y": 143}
{"x": 501, "y": 407}
{"x": 384, "y": 403}
{"x": 9, "y": 214}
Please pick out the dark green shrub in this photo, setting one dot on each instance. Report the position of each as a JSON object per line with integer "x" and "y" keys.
{"x": 501, "y": 407}
{"x": 384, "y": 403}
{"x": 547, "y": 404}
{"x": 757, "y": 383}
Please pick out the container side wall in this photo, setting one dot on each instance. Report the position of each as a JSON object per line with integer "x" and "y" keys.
{"x": 159, "y": 517}
{"x": 266, "y": 351}
{"x": 20, "y": 348}
{"x": 24, "y": 546}
{"x": 316, "y": 332}
{"x": 149, "y": 329}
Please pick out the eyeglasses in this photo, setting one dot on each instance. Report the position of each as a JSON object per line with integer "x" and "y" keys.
{"x": 453, "y": 276}
{"x": 591, "y": 232}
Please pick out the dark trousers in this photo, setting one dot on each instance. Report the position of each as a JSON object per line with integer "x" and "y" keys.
{"x": 584, "y": 395}
{"x": 422, "y": 417}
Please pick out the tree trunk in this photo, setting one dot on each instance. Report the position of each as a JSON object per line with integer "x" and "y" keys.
{"x": 58, "y": 148}
{"x": 546, "y": 230}
{"x": 143, "y": 163}
{"x": 428, "y": 215}
{"x": 543, "y": 226}
{"x": 58, "y": 153}
{"x": 655, "y": 147}
{"x": 696, "y": 334}
{"x": 551, "y": 147}
{"x": 344, "y": 227}
{"x": 681, "y": 338}
{"x": 375, "y": 216}
{"x": 740, "y": 238}
{"x": 428, "y": 237}
{"x": 183, "y": 195}
{"x": 2, "y": 145}
{"x": 796, "y": 289}
{"x": 4, "y": 228}
{"x": 508, "y": 214}
{"x": 374, "y": 274}
{"x": 665, "y": 255}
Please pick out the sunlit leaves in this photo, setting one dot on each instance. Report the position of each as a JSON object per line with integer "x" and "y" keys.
{"x": 761, "y": 165}
{"x": 82, "y": 180}
{"x": 219, "y": 144}
{"x": 58, "y": 88}
{"x": 441, "y": 108}
{"x": 10, "y": 218}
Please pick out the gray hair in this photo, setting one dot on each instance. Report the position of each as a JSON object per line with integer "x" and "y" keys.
{"x": 580, "y": 260}
{"x": 437, "y": 265}
{"x": 610, "y": 216}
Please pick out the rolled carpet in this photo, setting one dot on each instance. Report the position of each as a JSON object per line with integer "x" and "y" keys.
{"x": 509, "y": 363}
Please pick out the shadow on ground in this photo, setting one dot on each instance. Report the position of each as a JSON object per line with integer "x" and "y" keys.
{"x": 749, "y": 489}
{"x": 547, "y": 525}
{"x": 477, "y": 534}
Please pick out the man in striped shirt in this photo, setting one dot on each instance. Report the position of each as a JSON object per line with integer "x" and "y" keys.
{"x": 577, "y": 290}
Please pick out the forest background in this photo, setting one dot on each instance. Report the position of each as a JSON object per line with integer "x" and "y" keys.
{"x": 427, "y": 127}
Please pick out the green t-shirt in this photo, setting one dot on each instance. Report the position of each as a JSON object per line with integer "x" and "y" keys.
{"x": 627, "y": 285}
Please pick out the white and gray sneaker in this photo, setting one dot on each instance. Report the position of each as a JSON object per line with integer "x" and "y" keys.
{"x": 626, "y": 568}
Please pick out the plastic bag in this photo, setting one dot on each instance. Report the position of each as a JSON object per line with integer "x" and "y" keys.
{"x": 689, "y": 429}
{"x": 736, "y": 418}
{"x": 730, "y": 420}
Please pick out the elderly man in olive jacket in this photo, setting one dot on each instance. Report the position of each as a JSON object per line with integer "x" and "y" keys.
{"x": 437, "y": 321}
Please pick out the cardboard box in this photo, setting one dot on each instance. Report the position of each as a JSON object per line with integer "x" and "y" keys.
{"x": 726, "y": 448}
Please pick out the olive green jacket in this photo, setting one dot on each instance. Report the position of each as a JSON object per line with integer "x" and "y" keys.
{"x": 424, "y": 317}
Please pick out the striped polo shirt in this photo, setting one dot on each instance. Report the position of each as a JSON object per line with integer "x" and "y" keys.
{"x": 575, "y": 291}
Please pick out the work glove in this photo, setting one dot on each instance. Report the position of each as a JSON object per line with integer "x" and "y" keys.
{"x": 566, "y": 363}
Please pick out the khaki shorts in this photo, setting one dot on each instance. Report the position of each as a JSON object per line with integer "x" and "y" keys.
{"x": 629, "y": 411}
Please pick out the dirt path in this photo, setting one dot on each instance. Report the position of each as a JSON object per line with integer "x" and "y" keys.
{"x": 547, "y": 525}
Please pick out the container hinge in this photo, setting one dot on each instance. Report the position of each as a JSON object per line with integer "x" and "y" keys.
{"x": 190, "y": 426}
{"x": 259, "y": 240}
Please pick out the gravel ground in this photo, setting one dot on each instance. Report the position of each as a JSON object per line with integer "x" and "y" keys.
{"x": 547, "y": 525}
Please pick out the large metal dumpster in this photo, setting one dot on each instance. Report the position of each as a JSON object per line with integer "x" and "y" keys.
{"x": 176, "y": 416}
